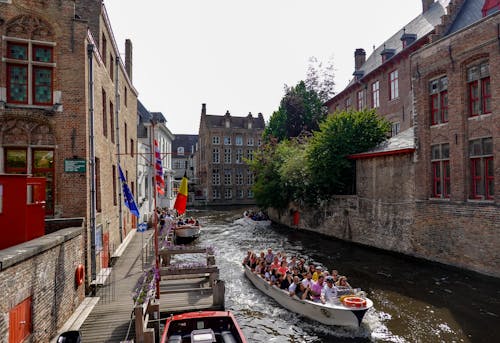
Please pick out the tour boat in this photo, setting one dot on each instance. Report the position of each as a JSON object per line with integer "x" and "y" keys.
{"x": 203, "y": 326}
{"x": 348, "y": 313}
{"x": 186, "y": 233}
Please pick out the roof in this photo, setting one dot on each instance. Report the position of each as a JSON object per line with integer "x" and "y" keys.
{"x": 236, "y": 122}
{"x": 186, "y": 141}
{"x": 470, "y": 12}
{"x": 422, "y": 25}
{"x": 402, "y": 143}
{"x": 143, "y": 113}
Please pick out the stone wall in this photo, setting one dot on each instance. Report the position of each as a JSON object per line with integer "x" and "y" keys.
{"x": 43, "y": 269}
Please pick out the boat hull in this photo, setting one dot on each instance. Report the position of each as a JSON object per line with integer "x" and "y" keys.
{"x": 186, "y": 234}
{"x": 328, "y": 314}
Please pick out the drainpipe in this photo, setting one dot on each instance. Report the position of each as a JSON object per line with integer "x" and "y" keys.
{"x": 117, "y": 139}
{"x": 90, "y": 54}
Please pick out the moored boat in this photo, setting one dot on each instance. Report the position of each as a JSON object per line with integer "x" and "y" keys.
{"x": 186, "y": 233}
{"x": 332, "y": 313}
{"x": 203, "y": 326}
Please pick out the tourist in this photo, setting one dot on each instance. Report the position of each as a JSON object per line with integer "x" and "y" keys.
{"x": 318, "y": 271}
{"x": 343, "y": 284}
{"x": 296, "y": 288}
{"x": 307, "y": 281}
{"x": 269, "y": 256}
{"x": 316, "y": 289}
{"x": 329, "y": 291}
{"x": 283, "y": 268}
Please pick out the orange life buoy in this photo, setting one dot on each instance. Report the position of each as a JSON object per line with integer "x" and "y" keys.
{"x": 79, "y": 274}
{"x": 354, "y": 302}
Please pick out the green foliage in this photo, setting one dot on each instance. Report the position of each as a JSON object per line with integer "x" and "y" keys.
{"x": 301, "y": 110}
{"x": 315, "y": 168}
{"x": 341, "y": 135}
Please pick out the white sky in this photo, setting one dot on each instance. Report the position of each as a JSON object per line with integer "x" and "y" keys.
{"x": 237, "y": 55}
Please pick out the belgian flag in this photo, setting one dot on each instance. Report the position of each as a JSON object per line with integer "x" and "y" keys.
{"x": 182, "y": 195}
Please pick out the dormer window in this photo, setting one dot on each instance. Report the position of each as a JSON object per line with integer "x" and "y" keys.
{"x": 387, "y": 54}
{"x": 228, "y": 124}
{"x": 408, "y": 39}
{"x": 249, "y": 124}
{"x": 180, "y": 151}
{"x": 358, "y": 74}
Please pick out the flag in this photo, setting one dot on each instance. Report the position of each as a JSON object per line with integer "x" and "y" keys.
{"x": 182, "y": 195}
{"x": 160, "y": 183}
{"x": 128, "y": 198}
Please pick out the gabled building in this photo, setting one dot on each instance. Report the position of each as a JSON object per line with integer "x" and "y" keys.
{"x": 184, "y": 148}
{"x": 225, "y": 141}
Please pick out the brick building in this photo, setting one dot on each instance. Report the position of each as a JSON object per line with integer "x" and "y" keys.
{"x": 61, "y": 66}
{"x": 225, "y": 142}
{"x": 429, "y": 190}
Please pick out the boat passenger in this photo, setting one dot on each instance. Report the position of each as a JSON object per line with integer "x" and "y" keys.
{"x": 343, "y": 282}
{"x": 335, "y": 275}
{"x": 269, "y": 256}
{"x": 276, "y": 263}
{"x": 284, "y": 281}
{"x": 293, "y": 262}
{"x": 329, "y": 291}
{"x": 261, "y": 268}
{"x": 253, "y": 261}
{"x": 316, "y": 289}
{"x": 246, "y": 260}
{"x": 307, "y": 282}
{"x": 301, "y": 266}
{"x": 283, "y": 268}
{"x": 197, "y": 223}
{"x": 318, "y": 271}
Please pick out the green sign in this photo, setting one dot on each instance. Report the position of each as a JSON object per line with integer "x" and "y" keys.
{"x": 75, "y": 166}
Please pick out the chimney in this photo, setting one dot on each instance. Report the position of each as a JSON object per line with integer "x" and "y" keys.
{"x": 128, "y": 58}
{"x": 359, "y": 58}
{"x": 203, "y": 109}
{"x": 426, "y": 4}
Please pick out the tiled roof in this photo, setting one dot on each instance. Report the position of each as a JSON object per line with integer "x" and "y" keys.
{"x": 404, "y": 141}
{"x": 236, "y": 122}
{"x": 470, "y": 12}
{"x": 421, "y": 26}
{"x": 143, "y": 113}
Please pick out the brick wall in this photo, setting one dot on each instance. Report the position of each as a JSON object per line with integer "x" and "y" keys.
{"x": 44, "y": 269}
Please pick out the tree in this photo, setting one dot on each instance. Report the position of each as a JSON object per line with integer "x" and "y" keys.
{"x": 341, "y": 135}
{"x": 321, "y": 78}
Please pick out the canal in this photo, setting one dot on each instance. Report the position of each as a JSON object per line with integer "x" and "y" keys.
{"x": 414, "y": 301}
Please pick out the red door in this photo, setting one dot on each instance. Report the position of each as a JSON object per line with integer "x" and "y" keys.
{"x": 20, "y": 321}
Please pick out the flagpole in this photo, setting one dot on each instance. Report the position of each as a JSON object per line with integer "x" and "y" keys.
{"x": 155, "y": 219}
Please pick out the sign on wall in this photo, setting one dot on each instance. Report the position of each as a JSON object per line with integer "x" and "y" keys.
{"x": 75, "y": 166}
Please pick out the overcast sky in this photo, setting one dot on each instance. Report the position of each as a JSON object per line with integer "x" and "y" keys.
{"x": 237, "y": 55}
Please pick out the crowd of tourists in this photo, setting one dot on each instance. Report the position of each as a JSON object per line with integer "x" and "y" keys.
{"x": 299, "y": 279}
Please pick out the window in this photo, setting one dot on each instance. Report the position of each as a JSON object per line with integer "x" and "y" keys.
{"x": 227, "y": 177}
{"x": 440, "y": 160}
{"x": 215, "y": 177}
{"x": 482, "y": 173}
{"x": 393, "y": 85}
{"x": 228, "y": 193}
{"x": 104, "y": 115}
{"x": 215, "y": 155}
{"x": 239, "y": 193}
{"x": 250, "y": 141}
{"x": 98, "y": 201}
{"x": 239, "y": 155}
{"x": 112, "y": 121}
{"x": 16, "y": 161}
{"x": 361, "y": 99}
{"x": 131, "y": 148}
{"x": 438, "y": 90}
{"x": 227, "y": 155}
{"x": 348, "y": 103}
{"x": 395, "y": 129}
{"x": 250, "y": 154}
{"x": 239, "y": 177}
{"x": 249, "y": 125}
{"x": 215, "y": 140}
{"x": 30, "y": 73}
{"x": 111, "y": 67}
{"x": 125, "y": 133}
{"x": 239, "y": 140}
{"x": 376, "y": 94}
{"x": 216, "y": 193}
{"x": 249, "y": 194}
{"x": 180, "y": 151}
{"x": 478, "y": 86}
{"x": 103, "y": 48}
{"x": 125, "y": 100}
{"x": 227, "y": 140}
{"x": 250, "y": 177}
{"x": 259, "y": 142}
{"x": 114, "y": 184}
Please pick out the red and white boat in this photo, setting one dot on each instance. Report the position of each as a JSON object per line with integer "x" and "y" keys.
{"x": 203, "y": 327}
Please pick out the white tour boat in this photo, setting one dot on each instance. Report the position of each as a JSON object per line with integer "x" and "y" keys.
{"x": 330, "y": 313}
{"x": 186, "y": 233}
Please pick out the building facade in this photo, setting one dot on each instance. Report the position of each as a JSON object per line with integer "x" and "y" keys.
{"x": 184, "y": 163}
{"x": 62, "y": 81}
{"x": 225, "y": 143}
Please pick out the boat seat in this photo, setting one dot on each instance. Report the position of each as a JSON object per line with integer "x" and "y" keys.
{"x": 175, "y": 339}
{"x": 227, "y": 337}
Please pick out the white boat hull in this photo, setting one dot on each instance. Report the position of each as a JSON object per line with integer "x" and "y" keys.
{"x": 329, "y": 314}
{"x": 187, "y": 232}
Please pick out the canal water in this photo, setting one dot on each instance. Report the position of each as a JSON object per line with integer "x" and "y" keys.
{"x": 414, "y": 301}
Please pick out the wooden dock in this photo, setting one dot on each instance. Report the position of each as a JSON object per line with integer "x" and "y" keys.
{"x": 190, "y": 287}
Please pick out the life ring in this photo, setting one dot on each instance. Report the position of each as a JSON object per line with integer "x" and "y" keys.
{"x": 79, "y": 274}
{"x": 354, "y": 302}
